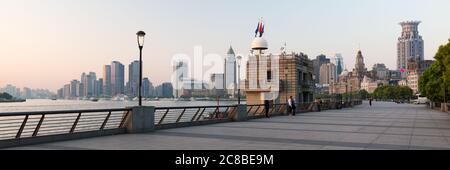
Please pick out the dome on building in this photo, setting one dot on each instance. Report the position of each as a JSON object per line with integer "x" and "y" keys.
{"x": 259, "y": 44}
{"x": 344, "y": 73}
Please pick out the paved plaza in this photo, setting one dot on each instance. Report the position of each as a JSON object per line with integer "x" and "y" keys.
{"x": 383, "y": 126}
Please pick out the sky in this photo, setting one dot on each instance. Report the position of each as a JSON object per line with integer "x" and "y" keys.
{"x": 47, "y": 43}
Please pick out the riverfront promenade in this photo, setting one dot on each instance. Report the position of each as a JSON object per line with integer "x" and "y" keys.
{"x": 382, "y": 126}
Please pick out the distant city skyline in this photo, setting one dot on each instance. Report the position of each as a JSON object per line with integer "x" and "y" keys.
{"x": 46, "y": 44}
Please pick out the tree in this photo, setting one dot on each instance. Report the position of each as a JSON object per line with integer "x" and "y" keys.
{"x": 363, "y": 94}
{"x": 5, "y": 96}
{"x": 393, "y": 93}
{"x": 436, "y": 79}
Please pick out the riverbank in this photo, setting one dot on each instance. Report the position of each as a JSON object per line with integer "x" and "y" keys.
{"x": 12, "y": 101}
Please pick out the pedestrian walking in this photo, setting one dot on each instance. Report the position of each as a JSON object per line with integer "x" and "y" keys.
{"x": 370, "y": 102}
{"x": 267, "y": 107}
{"x": 293, "y": 105}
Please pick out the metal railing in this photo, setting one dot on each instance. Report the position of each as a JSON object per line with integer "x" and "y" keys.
{"x": 176, "y": 115}
{"x": 275, "y": 109}
{"x": 18, "y": 125}
{"x": 259, "y": 110}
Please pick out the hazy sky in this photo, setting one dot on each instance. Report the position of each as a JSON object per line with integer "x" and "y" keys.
{"x": 47, "y": 43}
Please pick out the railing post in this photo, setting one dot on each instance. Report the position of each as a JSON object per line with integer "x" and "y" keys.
{"x": 19, "y": 133}
{"x": 141, "y": 119}
{"x": 241, "y": 113}
{"x": 38, "y": 126}
{"x": 75, "y": 123}
{"x": 105, "y": 121}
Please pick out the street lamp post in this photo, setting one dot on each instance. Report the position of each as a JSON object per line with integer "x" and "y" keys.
{"x": 140, "y": 40}
{"x": 239, "y": 59}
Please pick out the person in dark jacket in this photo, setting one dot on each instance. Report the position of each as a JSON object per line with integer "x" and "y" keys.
{"x": 293, "y": 105}
{"x": 267, "y": 107}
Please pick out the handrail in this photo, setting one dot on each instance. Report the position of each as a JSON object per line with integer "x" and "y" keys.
{"x": 192, "y": 107}
{"x": 18, "y": 125}
{"x": 4, "y": 114}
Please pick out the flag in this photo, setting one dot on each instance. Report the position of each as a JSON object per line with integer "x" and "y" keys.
{"x": 257, "y": 30}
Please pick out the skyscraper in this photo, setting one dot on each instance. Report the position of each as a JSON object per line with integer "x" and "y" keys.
{"x": 74, "y": 88}
{"x": 107, "y": 80}
{"x": 82, "y": 89}
{"x": 99, "y": 90}
{"x": 66, "y": 91}
{"x": 321, "y": 59}
{"x": 89, "y": 84}
{"x": 117, "y": 78}
{"x": 328, "y": 73}
{"x": 181, "y": 71}
{"x": 133, "y": 79}
{"x": 339, "y": 62}
{"x": 230, "y": 72}
{"x": 92, "y": 84}
{"x": 147, "y": 88}
{"x": 410, "y": 45}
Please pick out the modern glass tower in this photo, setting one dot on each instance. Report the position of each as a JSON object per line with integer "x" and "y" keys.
{"x": 107, "y": 80}
{"x": 117, "y": 78}
{"x": 133, "y": 79}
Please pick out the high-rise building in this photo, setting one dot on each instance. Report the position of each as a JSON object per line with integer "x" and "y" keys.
{"x": 328, "y": 73}
{"x": 117, "y": 78}
{"x": 99, "y": 89}
{"x": 12, "y": 90}
{"x": 410, "y": 45}
{"x": 89, "y": 84}
{"x": 180, "y": 71}
{"x": 218, "y": 84}
{"x": 74, "y": 88}
{"x": 83, "y": 82}
{"x": 164, "y": 90}
{"x": 147, "y": 88}
{"x": 230, "y": 72}
{"x": 107, "y": 80}
{"x": 66, "y": 91}
{"x": 339, "y": 63}
{"x": 133, "y": 79}
{"x": 321, "y": 59}
{"x": 27, "y": 93}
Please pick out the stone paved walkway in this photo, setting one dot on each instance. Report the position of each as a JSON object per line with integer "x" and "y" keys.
{"x": 384, "y": 126}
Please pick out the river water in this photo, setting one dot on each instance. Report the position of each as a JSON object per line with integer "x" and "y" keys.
{"x": 51, "y": 105}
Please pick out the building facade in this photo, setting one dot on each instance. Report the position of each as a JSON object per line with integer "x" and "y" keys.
{"x": 133, "y": 79}
{"x": 181, "y": 74}
{"x": 321, "y": 59}
{"x": 230, "y": 73}
{"x": 328, "y": 74}
{"x": 339, "y": 62}
{"x": 380, "y": 71}
{"x": 410, "y": 45}
{"x": 117, "y": 78}
{"x": 107, "y": 80}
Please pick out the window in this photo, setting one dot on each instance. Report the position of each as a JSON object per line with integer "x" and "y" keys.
{"x": 269, "y": 76}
